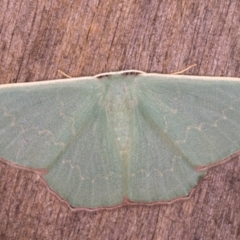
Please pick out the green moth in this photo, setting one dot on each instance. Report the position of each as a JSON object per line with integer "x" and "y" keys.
{"x": 120, "y": 137}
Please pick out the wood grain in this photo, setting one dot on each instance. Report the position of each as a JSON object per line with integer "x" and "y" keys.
{"x": 89, "y": 37}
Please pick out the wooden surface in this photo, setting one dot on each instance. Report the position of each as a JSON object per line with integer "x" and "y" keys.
{"x": 88, "y": 37}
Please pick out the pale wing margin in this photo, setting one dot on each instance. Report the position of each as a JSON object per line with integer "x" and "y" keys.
{"x": 180, "y": 123}
{"x": 61, "y": 128}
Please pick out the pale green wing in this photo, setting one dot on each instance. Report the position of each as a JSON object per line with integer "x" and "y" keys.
{"x": 60, "y": 126}
{"x": 180, "y": 123}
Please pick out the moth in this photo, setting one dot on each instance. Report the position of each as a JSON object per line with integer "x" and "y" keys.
{"x": 120, "y": 137}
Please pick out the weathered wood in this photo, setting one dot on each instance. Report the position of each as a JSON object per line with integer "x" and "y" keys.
{"x": 89, "y": 37}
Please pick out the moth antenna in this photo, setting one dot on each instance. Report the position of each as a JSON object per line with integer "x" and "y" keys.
{"x": 64, "y": 74}
{"x": 184, "y": 70}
